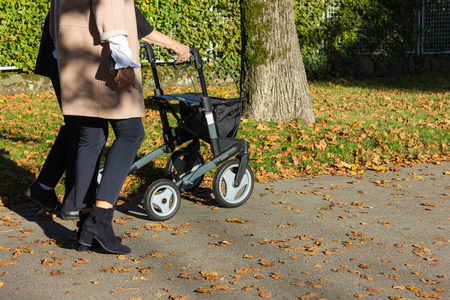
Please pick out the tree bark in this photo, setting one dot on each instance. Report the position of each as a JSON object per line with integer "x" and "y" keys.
{"x": 273, "y": 76}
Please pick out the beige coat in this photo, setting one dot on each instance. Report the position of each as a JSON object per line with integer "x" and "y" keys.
{"x": 80, "y": 29}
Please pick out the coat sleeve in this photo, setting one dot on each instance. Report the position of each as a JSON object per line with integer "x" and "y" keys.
{"x": 110, "y": 18}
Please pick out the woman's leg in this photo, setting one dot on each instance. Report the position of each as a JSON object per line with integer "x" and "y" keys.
{"x": 98, "y": 225}
{"x": 91, "y": 140}
{"x": 129, "y": 135}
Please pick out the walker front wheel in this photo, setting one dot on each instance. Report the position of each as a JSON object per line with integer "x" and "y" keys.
{"x": 226, "y": 193}
{"x": 162, "y": 200}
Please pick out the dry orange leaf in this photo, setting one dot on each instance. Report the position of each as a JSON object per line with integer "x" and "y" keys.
{"x": 266, "y": 263}
{"x": 204, "y": 291}
{"x": 209, "y": 273}
{"x": 120, "y": 222}
{"x": 374, "y": 290}
{"x": 430, "y": 281}
{"x": 83, "y": 261}
{"x": 399, "y": 287}
{"x": 136, "y": 278}
{"x": 56, "y": 273}
{"x": 220, "y": 287}
{"x": 264, "y": 294}
{"x": 276, "y": 275}
{"x": 428, "y": 295}
{"x": 245, "y": 270}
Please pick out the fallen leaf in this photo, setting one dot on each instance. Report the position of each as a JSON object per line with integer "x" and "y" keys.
{"x": 233, "y": 220}
{"x": 430, "y": 281}
{"x": 220, "y": 287}
{"x": 120, "y": 222}
{"x": 4, "y": 263}
{"x": 55, "y": 262}
{"x": 266, "y": 263}
{"x": 82, "y": 261}
{"x": 159, "y": 295}
{"x": 399, "y": 287}
{"x": 365, "y": 266}
{"x": 428, "y": 295}
{"x": 245, "y": 270}
{"x": 374, "y": 290}
{"x": 276, "y": 275}
{"x": 264, "y": 294}
{"x": 209, "y": 273}
{"x": 56, "y": 273}
{"x": 134, "y": 234}
{"x": 136, "y": 278}
{"x": 203, "y": 291}
{"x": 307, "y": 296}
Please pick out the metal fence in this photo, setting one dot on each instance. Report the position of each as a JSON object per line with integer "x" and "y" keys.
{"x": 434, "y": 20}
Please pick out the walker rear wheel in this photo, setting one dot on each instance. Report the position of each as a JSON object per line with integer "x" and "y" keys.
{"x": 162, "y": 200}
{"x": 177, "y": 165}
{"x": 224, "y": 190}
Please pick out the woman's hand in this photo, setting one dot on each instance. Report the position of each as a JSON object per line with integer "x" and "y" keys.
{"x": 181, "y": 50}
{"x": 160, "y": 39}
{"x": 126, "y": 79}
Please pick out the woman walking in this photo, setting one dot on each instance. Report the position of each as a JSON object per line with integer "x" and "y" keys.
{"x": 86, "y": 33}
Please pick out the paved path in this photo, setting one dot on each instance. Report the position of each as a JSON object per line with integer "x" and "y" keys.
{"x": 377, "y": 236}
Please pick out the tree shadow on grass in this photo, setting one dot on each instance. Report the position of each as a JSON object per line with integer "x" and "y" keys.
{"x": 14, "y": 180}
{"x": 430, "y": 82}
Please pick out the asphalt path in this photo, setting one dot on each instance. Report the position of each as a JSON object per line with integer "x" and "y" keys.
{"x": 372, "y": 236}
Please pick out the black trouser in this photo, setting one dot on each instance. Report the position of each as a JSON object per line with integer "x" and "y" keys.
{"x": 93, "y": 133}
{"x": 61, "y": 157}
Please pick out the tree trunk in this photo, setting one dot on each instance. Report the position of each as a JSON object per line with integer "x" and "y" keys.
{"x": 273, "y": 75}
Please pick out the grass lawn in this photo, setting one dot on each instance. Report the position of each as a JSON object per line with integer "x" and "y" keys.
{"x": 375, "y": 124}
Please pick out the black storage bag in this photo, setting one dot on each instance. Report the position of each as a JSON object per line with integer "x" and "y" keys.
{"x": 226, "y": 116}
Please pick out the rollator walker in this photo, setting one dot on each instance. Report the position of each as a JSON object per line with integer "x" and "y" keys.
{"x": 201, "y": 117}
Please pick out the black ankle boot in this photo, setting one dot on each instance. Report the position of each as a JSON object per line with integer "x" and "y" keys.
{"x": 95, "y": 244}
{"x": 98, "y": 226}
{"x": 83, "y": 217}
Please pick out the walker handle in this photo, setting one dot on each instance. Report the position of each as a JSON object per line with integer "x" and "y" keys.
{"x": 186, "y": 64}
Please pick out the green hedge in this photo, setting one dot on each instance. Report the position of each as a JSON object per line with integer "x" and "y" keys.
{"x": 329, "y": 45}
{"x": 215, "y": 32}
{"x": 191, "y": 22}
{"x": 20, "y": 32}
